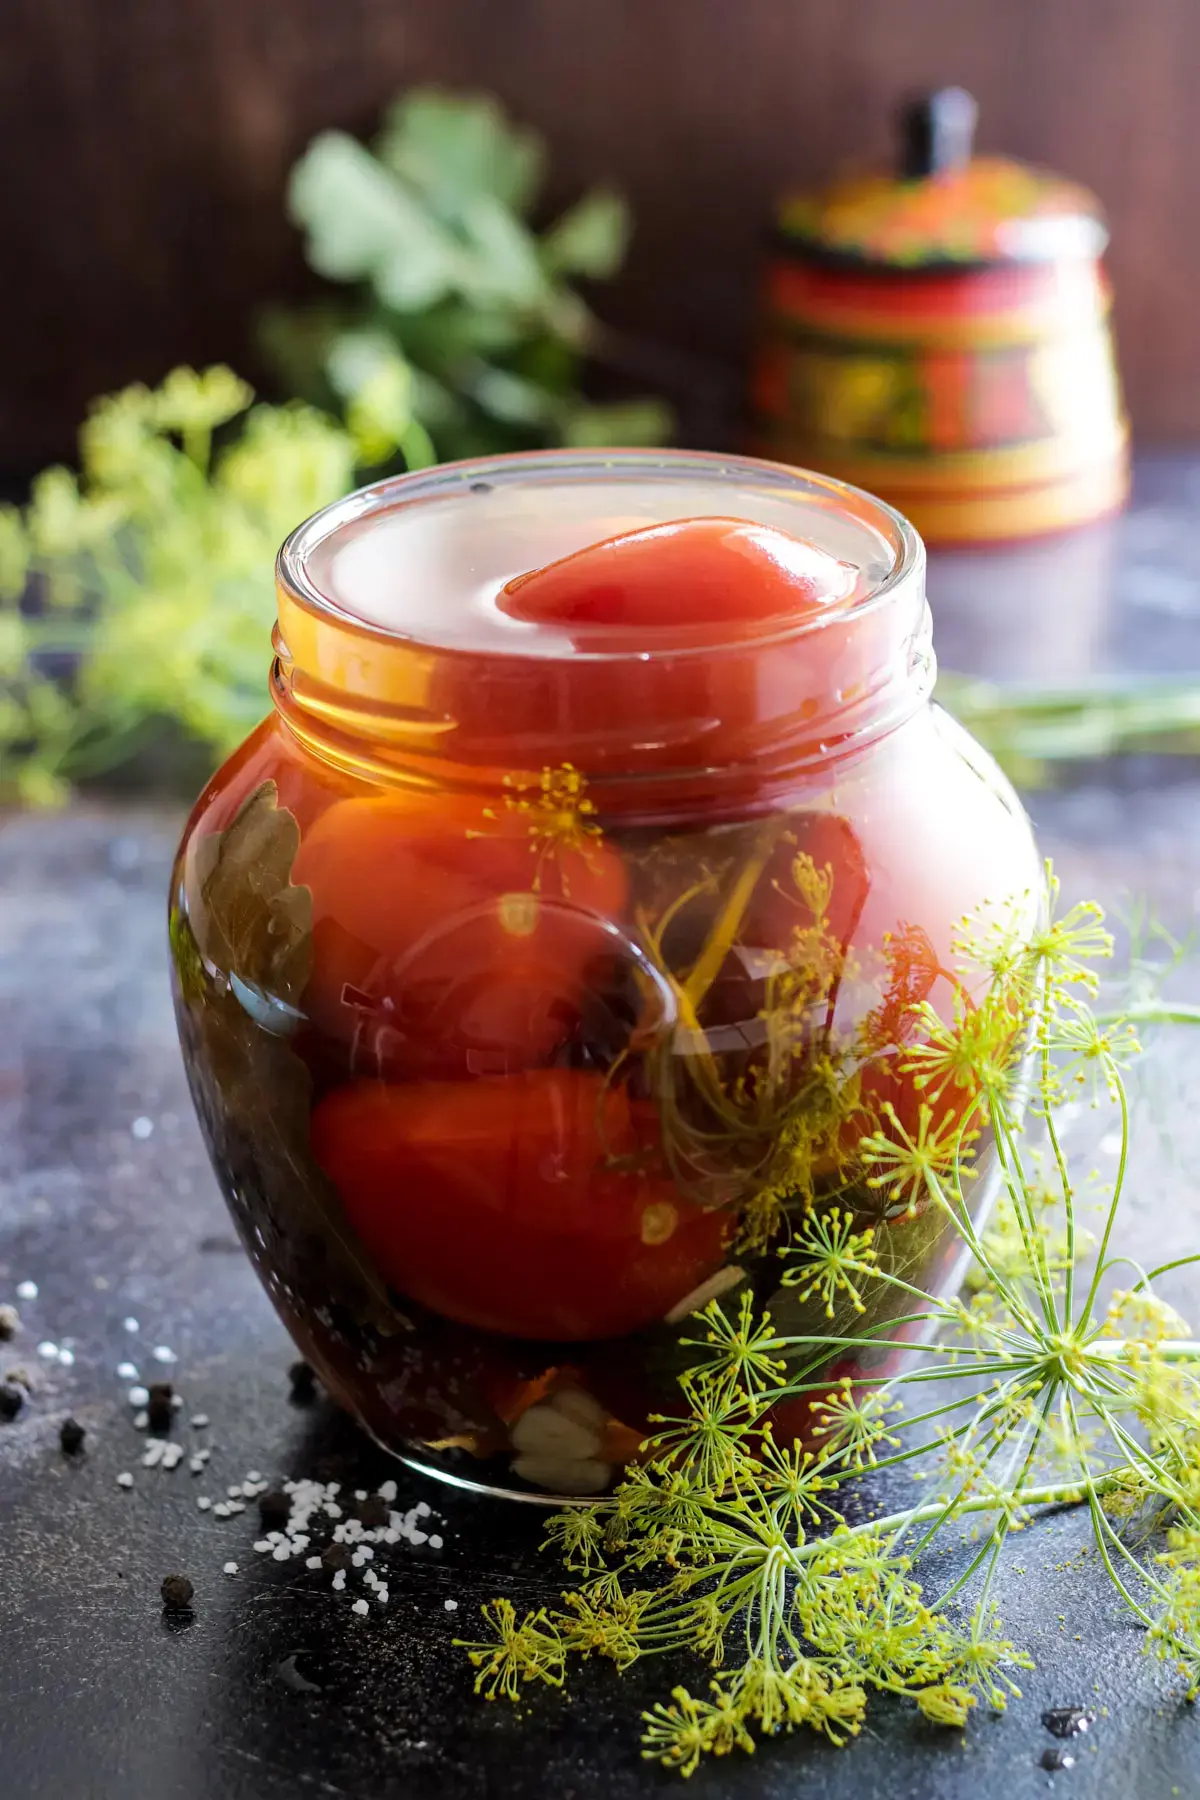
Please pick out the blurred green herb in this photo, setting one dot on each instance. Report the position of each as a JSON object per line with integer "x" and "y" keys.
{"x": 462, "y": 333}
{"x": 139, "y": 592}
{"x": 1034, "y": 732}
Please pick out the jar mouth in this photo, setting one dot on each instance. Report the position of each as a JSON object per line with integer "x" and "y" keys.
{"x": 686, "y": 722}
{"x": 822, "y": 493}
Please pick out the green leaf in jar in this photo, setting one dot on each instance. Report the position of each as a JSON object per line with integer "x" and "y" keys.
{"x": 253, "y": 923}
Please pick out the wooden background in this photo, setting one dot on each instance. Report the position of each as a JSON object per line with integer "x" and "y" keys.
{"x": 146, "y": 144}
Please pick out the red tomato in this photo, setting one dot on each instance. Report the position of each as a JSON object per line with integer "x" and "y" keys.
{"x": 492, "y": 1203}
{"x": 728, "y": 573}
{"x": 432, "y": 949}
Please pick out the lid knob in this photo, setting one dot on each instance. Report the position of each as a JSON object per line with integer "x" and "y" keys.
{"x": 936, "y": 133}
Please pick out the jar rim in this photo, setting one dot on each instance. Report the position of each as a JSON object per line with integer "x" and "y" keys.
{"x": 293, "y": 562}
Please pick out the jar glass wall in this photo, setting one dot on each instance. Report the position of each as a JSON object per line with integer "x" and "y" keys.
{"x": 542, "y": 968}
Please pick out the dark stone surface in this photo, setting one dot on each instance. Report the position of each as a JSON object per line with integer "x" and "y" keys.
{"x": 270, "y": 1690}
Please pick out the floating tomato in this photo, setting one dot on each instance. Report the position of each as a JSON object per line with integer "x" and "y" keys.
{"x": 519, "y": 1205}
{"x": 688, "y": 574}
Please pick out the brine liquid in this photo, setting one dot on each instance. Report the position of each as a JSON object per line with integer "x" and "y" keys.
{"x": 432, "y": 571}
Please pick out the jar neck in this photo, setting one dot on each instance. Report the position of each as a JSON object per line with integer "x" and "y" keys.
{"x": 653, "y": 731}
{"x": 653, "y": 737}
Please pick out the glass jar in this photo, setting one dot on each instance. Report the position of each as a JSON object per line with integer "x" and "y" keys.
{"x": 539, "y": 974}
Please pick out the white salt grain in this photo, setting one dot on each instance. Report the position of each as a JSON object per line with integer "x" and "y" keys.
{"x": 231, "y": 1568}
{"x": 451, "y": 1605}
{"x": 388, "y": 1492}
{"x": 131, "y": 1324}
{"x": 138, "y": 1396}
{"x": 125, "y": 1480}
{"x": 66, "y": 1358}
{"x": 220, "y": 1510}
{"x": 360, "y": 1607}
{"x": 313, "y": 1562}
{"x": 281, "y": 1553}
{"x": 435, "y": 1542}
{"x": 339, "y": 1581}
{"x": 203, "y": 1502}
{"x": 199, "y": 1421}
{"x": 141, "y": 1421}
{"x": 27, "y": 1290}
{"x": 164, "y": 1354}
{"x": 48, "y": 1350}
{"x": 127, "y": 1371}
{"x": 262, "y": 1546}
{"x": 141, "y": 1127}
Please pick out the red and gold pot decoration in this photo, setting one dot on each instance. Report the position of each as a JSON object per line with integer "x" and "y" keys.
{"x": 941, "y": 337}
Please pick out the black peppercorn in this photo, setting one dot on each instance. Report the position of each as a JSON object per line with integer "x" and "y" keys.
{"x": 71, "y": 1435}
{"x": 159, "y": 1410}
{"x": 303, "y": 1379}
{"x": 12, "y": 1399}
{"x": 177, "y": 1593}
{"x": 336, "y": 1557}
{"x": 274, "y": 1508}
{"x": 10, "y": 1323}
{"x": 373, "y": 1513}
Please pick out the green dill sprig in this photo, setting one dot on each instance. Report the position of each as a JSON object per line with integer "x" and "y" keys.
{"x": 1035, "y": 1390}
{"x": 140, "y": 592}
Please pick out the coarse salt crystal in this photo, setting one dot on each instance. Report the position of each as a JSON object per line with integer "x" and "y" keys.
{"x": 48, "y": 1350}
{"x": 125, "y": 1480}
{"x": 172, "y": 1456}
{"x": 313, "y": 1562}
{"x": 141, "y": 1421}
{"x": 234, "y": 1493}
{"x": 138, "y": 1396}
{"x": 262, "y": 1546}
{"x": 203, "y": 1502}
{"x": 154, "y": 1454}
{"x": 221, "y": 1510}
{"x": 253, "y": 1475}
{"x": 339, "y": 1581}
{"x": 142, "y": 1127}
{"x": 27, "y": 1290}
{"x": 422, "y": 1510}
{"x": 451, "y": 1605}
{"x": 66, "y": 1358}
{"x": 127, "y": 1371}
{"x": 236, "y": 1506}
{"x": 231, "y": 1568}
{"x": 435, "y": 1542}
{"x": 131, "y": 1324}
{"x": 360, "y": 1607}
{"x": 388, "y": 1492}
{"x": 281, "y": 1553}
{"x": 199, "y": 1421}
{"x": 164, "y": 1354}
{"x": 382, "y": 1595}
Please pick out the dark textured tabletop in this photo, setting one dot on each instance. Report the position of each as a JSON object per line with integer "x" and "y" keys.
{"x": 271, "y": 1689}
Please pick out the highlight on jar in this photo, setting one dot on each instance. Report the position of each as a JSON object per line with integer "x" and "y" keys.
{"x": 588, "y": 934}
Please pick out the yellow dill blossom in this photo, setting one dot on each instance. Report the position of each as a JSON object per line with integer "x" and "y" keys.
{"x": 561, "y": 820}
{"x": 910, "y": 1168}
{"x": 829, "y": 1258}
{"x": 521, "y": 1650}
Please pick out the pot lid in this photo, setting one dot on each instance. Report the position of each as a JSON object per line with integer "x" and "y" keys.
{"x": 944, "y": 207}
